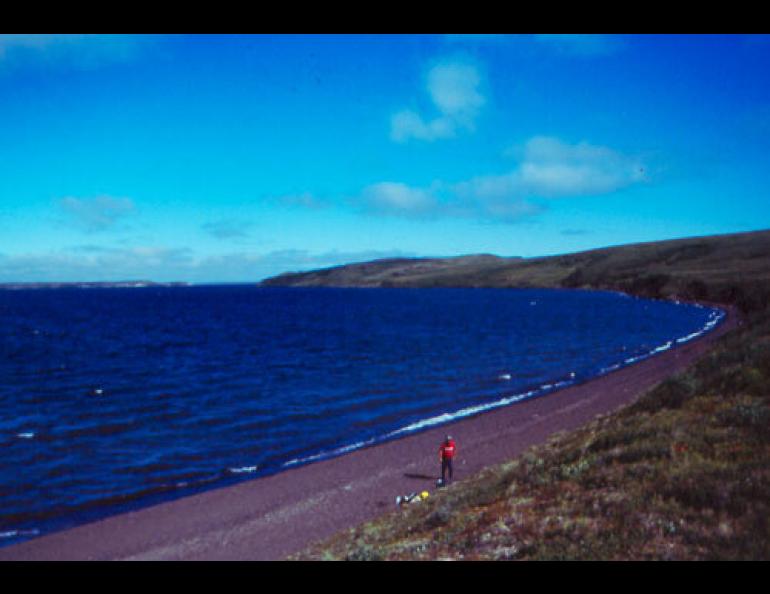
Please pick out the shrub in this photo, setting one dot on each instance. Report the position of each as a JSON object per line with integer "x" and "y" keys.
{"x": 650, "y": 285}
{"x": 695, "y": 290}
{"x": 753, "y": 416}
{"x": 437, "y": 518}
{"x": 671, "y": 393}
{"x": 364, "y": 553}
{"x": 650, "y": 451}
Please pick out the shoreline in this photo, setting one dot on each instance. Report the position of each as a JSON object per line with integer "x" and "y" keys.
{"x": 274, "y": 516}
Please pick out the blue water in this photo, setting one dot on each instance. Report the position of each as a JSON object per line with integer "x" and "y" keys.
{"x": 117, "y": 398}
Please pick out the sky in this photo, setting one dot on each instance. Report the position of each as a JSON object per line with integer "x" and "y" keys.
{"x": 229, "y": 158}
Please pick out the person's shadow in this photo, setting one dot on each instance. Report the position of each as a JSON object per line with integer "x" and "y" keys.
{"x": 418, "y": 476}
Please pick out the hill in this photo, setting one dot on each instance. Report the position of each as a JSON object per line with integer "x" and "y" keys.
{"x": 683, "y": 473}
{"x": 726, "y": 268}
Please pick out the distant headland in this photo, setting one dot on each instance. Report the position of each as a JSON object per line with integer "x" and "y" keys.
{"x": 91, "y": 285}
{"x": 719, "y": 268}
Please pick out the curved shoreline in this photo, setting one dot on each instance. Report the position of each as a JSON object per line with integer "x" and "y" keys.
{"x": 274, "y": 516}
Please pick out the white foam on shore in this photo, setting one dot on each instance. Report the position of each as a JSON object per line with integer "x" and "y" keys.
{"x": 422, "y": 424}
{"x": 465, "y": 412}
{"x": 689, "y": 337}
{"x": 243, "y": 470}
{"x": 15, "y": 533}
{"x": 604, "y": 370}
{"x": 321, "y": 455}
{"x": 635, "y": 359}
{"x": 714, "y": 318}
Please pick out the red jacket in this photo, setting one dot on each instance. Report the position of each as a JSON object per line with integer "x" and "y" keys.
{"x": 447, "y": 449}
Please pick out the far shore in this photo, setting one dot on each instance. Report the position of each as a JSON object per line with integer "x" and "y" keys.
{"x": 272, "y": 517}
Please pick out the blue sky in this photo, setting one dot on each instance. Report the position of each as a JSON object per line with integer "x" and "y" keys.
{"x": 232, "y": 158}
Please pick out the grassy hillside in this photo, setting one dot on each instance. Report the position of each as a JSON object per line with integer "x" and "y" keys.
{"x": 681, "y": 474}
{"x": 684, "y": 473}
{"x": 727, "y": 268}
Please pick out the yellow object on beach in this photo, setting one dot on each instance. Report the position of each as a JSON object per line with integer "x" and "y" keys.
{"x": 424, "y": 495}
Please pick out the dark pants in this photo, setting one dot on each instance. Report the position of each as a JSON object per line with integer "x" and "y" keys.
{"x": 446, "y": 464}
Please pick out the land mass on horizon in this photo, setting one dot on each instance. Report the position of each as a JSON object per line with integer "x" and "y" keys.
{"x": 130, "y": 284}
{"x": 720, "y": 268}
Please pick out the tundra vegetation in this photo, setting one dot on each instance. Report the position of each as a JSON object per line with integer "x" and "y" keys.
{"x": 681, "y": 474}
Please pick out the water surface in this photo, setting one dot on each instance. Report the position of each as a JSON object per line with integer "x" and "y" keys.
{"x": 117, "y": 398}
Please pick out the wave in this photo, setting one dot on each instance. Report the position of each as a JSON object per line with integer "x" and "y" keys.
{"x": 243, "y": 470}
{"x": 213, "y": 396}
{"x": 715, "y": 317}
{"x": 19, "y": 533}
{"x": 329, "y": 454}
{"x": 465, "y": 412}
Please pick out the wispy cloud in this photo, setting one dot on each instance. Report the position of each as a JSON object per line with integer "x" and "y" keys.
{"x": 453, "y": 88}
{"x": 163, "y": 263}
{"x": 71, "y": 50}
{"x": 227, "y": 228}
{"x": 96, "y": 214}
{"x": 441, "y": 200}
{"x": 552, "y": 168}
{"x": 297, "y": 260}
{"x": 95, "y": 263}
{"x": 304, "y": 200}
{"x": 399, "y": 199}
{"x": 548, "y": 169}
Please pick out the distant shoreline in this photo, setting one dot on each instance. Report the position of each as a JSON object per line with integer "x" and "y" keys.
{"x": 91, "y": 285}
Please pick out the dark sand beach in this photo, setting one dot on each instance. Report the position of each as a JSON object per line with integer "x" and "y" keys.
{"x": 272, "y": 517}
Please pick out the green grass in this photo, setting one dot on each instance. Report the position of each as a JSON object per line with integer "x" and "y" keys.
{"x": 683, "y": 473}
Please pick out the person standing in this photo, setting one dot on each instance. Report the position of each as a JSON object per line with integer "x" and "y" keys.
{"x": 446, "y": 454}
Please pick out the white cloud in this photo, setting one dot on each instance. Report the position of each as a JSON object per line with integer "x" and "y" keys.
{"x": 551, "y": 168}
{"x": 408, "y": 124}
{"x": 164, "y": 264}
{"x": 399, "y": 199}
{"x": 95, "y": 263}
{"x": 453, "y": 88}
{"x": 96, "y": 214}
{"x": 441, "y": 200}
{"x": 548, "y": 169}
